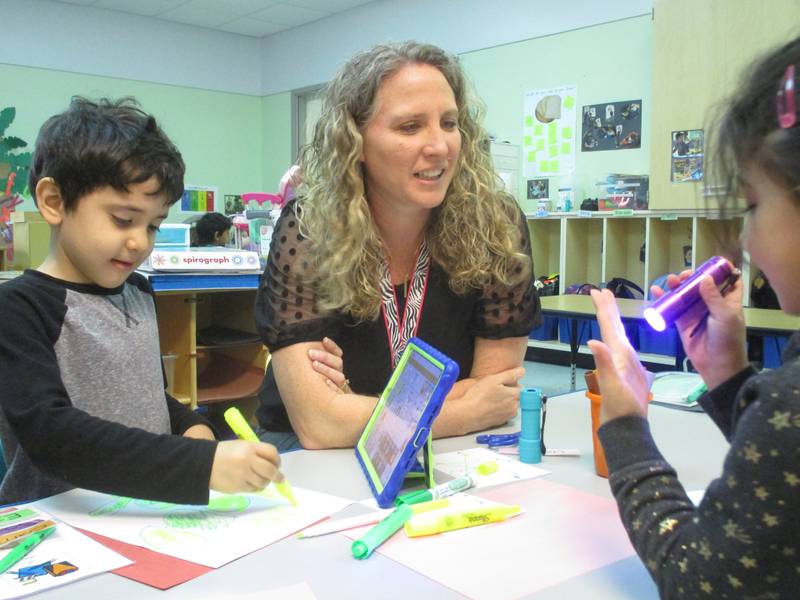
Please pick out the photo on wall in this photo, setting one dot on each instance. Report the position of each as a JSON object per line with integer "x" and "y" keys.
{"x": 686, "y": 156}
{"x": 612, "y": 126}
{"x": 538, "y": 189}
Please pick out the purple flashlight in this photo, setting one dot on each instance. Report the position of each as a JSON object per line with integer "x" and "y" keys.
{"x": 669, "y": 307}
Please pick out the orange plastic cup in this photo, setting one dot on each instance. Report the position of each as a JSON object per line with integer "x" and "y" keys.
{"x": 600, "y": 466}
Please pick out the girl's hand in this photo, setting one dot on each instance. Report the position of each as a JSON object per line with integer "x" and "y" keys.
{"x": 624, "y": 382}
{"x": 329, "y": 363}
{"x": 714, "y": 343}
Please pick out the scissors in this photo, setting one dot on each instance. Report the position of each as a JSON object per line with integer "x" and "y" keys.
{"x": 494, "y": 440}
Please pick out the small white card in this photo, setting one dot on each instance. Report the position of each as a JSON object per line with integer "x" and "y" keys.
{"x": 464, "y": 462}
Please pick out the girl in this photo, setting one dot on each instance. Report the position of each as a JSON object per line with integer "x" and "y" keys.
{"x": 743, "y": 540}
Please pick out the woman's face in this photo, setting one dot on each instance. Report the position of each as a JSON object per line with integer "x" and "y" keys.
{"x": 771, "y": 235}
{"x": 412, "y": 142}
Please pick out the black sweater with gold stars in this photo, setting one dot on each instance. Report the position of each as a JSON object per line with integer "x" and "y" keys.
{"x": 743, "y": 540}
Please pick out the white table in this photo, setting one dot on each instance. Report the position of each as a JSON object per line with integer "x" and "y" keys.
{"x": 689, "y": 441}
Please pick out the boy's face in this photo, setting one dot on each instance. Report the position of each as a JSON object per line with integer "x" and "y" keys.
{"x": 108, "y": 234}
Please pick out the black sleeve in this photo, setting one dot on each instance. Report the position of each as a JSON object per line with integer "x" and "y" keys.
{"x": 719, "y": 403}
{"x": 285, "y": 310}
{"x": 504, "y": 311}
{"x": 741, "y": 541}
{"x": 72, "y": 445}
{"x": 181, "y": 417}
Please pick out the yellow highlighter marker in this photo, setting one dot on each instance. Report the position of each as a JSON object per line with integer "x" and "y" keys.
{"x": 430, "y": 524}
{"x": 242, "y": 428}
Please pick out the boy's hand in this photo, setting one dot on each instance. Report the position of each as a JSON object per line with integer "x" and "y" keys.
{"x": 241, "y": 466}
{"x": 199, "y": 432}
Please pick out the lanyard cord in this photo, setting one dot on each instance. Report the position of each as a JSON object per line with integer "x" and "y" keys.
{"x": 400, "y": 328}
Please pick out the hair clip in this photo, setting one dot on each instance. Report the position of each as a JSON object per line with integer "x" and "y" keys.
{"x": 786, "y": 100}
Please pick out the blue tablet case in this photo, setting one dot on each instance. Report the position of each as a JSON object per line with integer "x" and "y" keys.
{"x": 401, "y": 422}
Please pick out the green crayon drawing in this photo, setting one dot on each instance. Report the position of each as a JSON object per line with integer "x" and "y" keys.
{"x": 203, "y": 520}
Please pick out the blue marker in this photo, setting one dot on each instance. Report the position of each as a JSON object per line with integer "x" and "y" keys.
{"x": 530, "y": 435}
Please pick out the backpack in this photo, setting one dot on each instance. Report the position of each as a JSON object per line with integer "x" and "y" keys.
{"x": 581, "y": 288}
{"x": 625, "y": 288}
{"x": 547, "y": 285}
{"x": 761, "y": 293}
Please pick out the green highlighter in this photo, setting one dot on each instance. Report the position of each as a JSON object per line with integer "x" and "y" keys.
{"x": 242, "y": 428}
{"x": 24, "y": 548}
{"x": 366, "y": 545}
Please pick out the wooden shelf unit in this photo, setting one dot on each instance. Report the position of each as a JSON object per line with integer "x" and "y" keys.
{"x": 220, "y": 370}
{"x": 596, "y": 247}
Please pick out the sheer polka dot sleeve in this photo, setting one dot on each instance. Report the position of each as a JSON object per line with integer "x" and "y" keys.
{"x": 285, "y": 304}
{"x": 509, "y": 311}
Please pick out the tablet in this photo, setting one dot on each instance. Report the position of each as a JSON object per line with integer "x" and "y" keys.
{"x": 401, "y": 422}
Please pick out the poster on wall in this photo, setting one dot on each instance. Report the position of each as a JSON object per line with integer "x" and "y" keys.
{"x": 687, "y": 155}
{"x": 548, "y": 146}
{"x": 198, "y": 198}
{"x": 612, "y": 126}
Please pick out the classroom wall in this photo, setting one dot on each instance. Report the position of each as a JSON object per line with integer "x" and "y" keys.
{"x": 311, "y": 54}
{"x": 276, "y": 139}
{"x": 109, "y": 43}
{"x": 211, "y": 129}
{"x": 609, "y": 62}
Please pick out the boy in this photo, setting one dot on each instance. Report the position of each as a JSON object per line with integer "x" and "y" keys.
{"x": 82, "y": 395}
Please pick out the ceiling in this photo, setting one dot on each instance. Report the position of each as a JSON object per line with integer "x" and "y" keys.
{"x": 256, "y": 18}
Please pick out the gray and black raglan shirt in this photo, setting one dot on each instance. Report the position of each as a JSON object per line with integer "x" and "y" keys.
{"x": 82, "y": 396}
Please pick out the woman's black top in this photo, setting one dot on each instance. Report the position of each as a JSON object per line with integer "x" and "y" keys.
{"x": 286, "y": 314}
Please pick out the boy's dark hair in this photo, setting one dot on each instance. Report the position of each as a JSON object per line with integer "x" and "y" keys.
{"x": 209, "y": 225}
{"x": 105, "y": 143}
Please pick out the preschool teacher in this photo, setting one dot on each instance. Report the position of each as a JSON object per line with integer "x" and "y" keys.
{"x": 401, "y": 227}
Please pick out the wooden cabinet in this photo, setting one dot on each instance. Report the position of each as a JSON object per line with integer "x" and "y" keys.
{"x": 699, "y": 50}
{"x": 208, "y": 336}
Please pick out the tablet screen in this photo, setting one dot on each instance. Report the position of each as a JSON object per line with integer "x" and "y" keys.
{"x": 397, "y": 422}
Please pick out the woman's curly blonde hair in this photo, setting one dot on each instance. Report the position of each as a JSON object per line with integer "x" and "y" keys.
{"x": 473, "y": 235}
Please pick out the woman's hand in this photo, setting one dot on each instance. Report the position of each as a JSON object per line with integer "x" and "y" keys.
{"x": 491, "y": 400}
{"x": 624, "y": 382}
{"x": 714, "y": 343}
{"x": 329, "y": 363}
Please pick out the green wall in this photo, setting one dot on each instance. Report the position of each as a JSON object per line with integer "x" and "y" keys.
{"x": 276, "y": 138}
{"x": 217, "y": 133}
{"x": 610, "y": 62}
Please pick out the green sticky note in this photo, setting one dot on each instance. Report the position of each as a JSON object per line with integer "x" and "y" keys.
{"x": 532, "y": 156}
{"x": 529, "y": 121}
{"x": 569, "y": 102}
{"x": 544, "y": 166}
{"x": 566, "y": 147}
{"x": 552, "y": 133}
{"x": 553, "y": 150}
{"x": 566, "y": 133}
{"x": 554, "y": 167}
{"x": 538, "y": 129}
{"x": 527, "y": 141}
{"x": 539, "y": 144}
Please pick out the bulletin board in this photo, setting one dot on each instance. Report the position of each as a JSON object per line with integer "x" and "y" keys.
{"x": 612, "y": 126}
{"x": 548, "y": 137}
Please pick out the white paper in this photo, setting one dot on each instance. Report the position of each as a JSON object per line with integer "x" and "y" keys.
{"x": 50, "y": 563}
{"x": 464, "y": 462}
{"x": 231, "y": 526}
{"x": 300, "y": 591}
